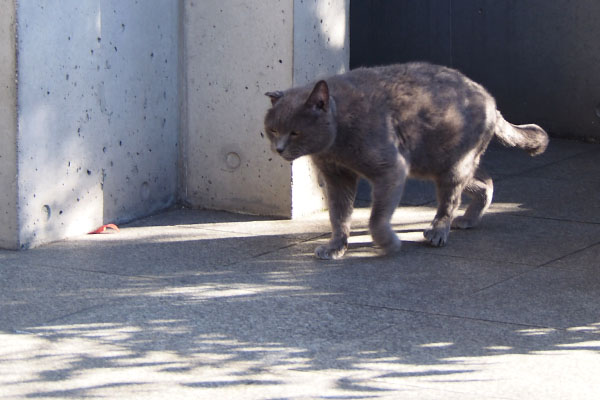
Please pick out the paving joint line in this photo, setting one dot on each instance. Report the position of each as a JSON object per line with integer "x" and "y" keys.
{"x": 116, "y": 274}
{"x": 569, "y": 254}
{"x": 535, "y": 268}
{"x": 438, "y": 314}
{"x": 290, "y": 245}
{"x": 479, "y": 259}
{"x": 83, "y": 310}
{"x": 553, "y": 219}
{"x": 156, "y": 278}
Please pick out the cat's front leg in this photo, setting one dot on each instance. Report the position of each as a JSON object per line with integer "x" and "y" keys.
{"x": 336, "y": 248}
{"x": 341, "y": 191}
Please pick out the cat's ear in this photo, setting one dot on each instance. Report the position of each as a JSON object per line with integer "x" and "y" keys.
{"x": 319, "y": 98}
{"x": 275, "y": 96}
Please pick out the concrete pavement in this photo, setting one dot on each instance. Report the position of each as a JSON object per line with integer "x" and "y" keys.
{"x": 203, "y": 304}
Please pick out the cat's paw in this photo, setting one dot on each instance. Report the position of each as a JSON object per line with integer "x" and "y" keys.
{"x": 437, "y": 237}
{"x": 326, "y": 252}
{"x": 463, "y": 223}
{"x": 393, "y": 247}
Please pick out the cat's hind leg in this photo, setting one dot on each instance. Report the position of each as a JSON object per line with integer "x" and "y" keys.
{"x": 448, "y": 193}
{"x": 341, "y": 190}
{"x": 480, "y": 189}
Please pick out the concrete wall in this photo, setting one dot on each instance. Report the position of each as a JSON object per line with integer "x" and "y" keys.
{"x": 234, "y": 52}
{"x": 321, "y": 48}
{"x": 120, "y": 107}
{"x": 97, "y": 112}
{"x": 321, "y": 39}
{"x": 8, "y": 127}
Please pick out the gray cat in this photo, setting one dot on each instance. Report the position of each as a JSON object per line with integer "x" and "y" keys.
{"x": 386, "y": 124}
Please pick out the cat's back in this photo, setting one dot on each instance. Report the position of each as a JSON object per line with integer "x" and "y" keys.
{"x": 407, "y": 79}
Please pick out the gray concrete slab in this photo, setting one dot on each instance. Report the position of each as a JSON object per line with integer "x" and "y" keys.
{"x": 570, "y": 200}
{"x": 579, "y": 166}
{"x": 561, "y": 295}
{"x": 519, "y": 239}
{"x": 500, "y": 161}
{"x": 202, "y": 304}
{"x": 32, "y": 294}
{"x": 417, "y": 281}
{"x": 563, "y": 183}
{"x": 155, "y": 248}
{"x": 568, "y": 189}
{"x": 449, "y": 357}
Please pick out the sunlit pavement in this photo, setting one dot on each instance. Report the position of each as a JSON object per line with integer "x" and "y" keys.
{"x": 203, "y": 304}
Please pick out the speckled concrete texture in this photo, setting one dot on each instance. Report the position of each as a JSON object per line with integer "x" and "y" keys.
{"x": 98, "y": 114}
{"x": 8, "y": 126}
{"x": 210, "y": 305}
{"x": 234, "y": 52}
{"x": 112, "y": 111}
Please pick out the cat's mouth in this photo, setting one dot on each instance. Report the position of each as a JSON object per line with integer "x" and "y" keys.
{"x": 288, "y": 157}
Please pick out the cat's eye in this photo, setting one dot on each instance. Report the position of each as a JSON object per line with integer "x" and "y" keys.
{"x": 294, "y": 133}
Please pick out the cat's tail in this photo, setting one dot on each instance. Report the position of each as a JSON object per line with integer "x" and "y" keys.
{"x": 531, "y": 138}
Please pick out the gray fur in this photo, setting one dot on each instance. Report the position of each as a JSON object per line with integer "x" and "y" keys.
{"x": 386, "y": 124}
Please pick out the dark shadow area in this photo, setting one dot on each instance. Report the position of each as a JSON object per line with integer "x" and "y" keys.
{"x": 536, "y": 57}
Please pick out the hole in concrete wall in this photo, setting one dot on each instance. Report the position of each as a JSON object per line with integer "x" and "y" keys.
{"x": 145, "y": 191}
{"x": 46, "y": 212}
{"x": 233, "y": 160}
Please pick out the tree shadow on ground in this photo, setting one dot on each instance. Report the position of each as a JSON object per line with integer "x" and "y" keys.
{"x": 220, "y": 310}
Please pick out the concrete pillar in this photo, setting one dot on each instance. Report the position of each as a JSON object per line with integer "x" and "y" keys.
{"x": 234, "y": 52}
{"x": 98, "y": 115}
{"x": 8, "y": 127}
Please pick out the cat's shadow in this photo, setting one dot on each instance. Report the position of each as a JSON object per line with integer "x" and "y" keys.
{"x": 366, "y": 232}
{"x": 361, "y": 244}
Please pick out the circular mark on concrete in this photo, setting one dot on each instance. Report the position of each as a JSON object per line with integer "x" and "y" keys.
{"x": 598, "y": 110}
{"x": 46, "y": 212}
{"x": 145, "y": 191}
{"x": 233, "y": 160}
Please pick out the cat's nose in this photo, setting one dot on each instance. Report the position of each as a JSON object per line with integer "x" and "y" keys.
{"x": 280, "y": 145}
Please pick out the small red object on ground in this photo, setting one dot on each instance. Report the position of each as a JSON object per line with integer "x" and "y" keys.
{"x": 103, "y": 229}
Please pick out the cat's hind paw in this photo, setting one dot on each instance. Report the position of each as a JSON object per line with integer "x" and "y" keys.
{"x": 436, "y": 237}
{"x": 463, "y": 222}
{"x": 326, "y": 252}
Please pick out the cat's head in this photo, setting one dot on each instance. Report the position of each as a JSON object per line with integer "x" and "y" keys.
{"x": 301, "y": 121}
